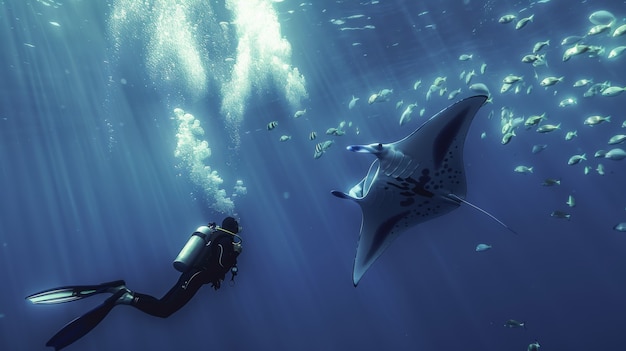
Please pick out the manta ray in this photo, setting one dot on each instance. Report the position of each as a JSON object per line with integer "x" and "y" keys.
{"x": 412, "y": 180}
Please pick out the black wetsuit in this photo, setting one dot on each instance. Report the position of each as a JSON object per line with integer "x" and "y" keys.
{"x": 217, "y": 260}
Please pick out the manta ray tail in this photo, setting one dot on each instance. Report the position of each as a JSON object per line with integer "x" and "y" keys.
{"x": 456, "y": 198}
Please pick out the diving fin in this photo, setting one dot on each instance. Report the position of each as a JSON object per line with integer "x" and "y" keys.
{"x": 82, "y": 325}
{"x": 73, "y": 293}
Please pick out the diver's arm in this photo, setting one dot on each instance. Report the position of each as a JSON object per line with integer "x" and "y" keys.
{"x": 219, "y": 260}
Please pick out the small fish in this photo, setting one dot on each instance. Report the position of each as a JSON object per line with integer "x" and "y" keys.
{"x": 582, "y": 83}
{"x": 505, "y": 87}
{"x": 617, "y": 139}
{"x": 285, "y": 137}
{"x": 524, "y": 21}
{"x": 534, "y": 120}
{"x": 506, "y": 138}
{"x": 507, "y": 19}
{"x": 540, "y": 45}
{"x": 299, "y": 114}
{"x": 482, "y": 247}
{"x": 454, "y": 93}
{"x": 465, "y": 57}
{"x": 483, "y": 68}
{"x": 620, "y": 227}
{"x": 483, "y": 135}
{"x": 312, "y": 136}
{"x": 575, "y": 50}
{"x": 613, "y": 91}
{"x": 576, "y": 159}
{"x": 595, "y": 120}
{"x": 571, "y": 134}
{"x": 512, "y": 323}
{"x": 587, "y": 169}
{"x": 523, "y": 169}
{"x": 549, "y": 81}
{"x": 547, "y": 128}
{"x": 417, "y": 84}
{"x": 534, "y": 346}
{"x": 430, "y": 91}
{"x": 615, "y": 154}
{"x": 598, "y": 29}
{"x": 510, "y": 79}
{"x": 561, "y": 215}
{"x": 568, "y": 102}
{"x": 532, "y": 58}
{"x": 619, "y": 31}
{"x": 272, "y": 125}
{"x": 600, "y": 169}
{"x": 440, "y": 81}
{"x": 320, "y": 148}
{"x": 571, "y": 202}
{"x": 352, "y": 102}
{"x": 551, "y": 182}
{"x": 406, "y": 115}
{"x": 469, "y": 76}
{"x": 538, "y": 148}
{"x": 615, "y": 52}
{"x": 373, "y": 98}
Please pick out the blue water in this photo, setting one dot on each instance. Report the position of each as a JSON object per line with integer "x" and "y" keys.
{"x": 93, "y": 190}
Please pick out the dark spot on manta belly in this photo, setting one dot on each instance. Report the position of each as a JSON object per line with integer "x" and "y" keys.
{"x": 407, "y": 202}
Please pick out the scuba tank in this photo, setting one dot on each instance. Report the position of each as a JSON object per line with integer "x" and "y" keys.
{"x": 193, "y": 249}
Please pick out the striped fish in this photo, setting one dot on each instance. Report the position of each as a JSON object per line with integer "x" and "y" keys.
{"x": 272, "y": 125}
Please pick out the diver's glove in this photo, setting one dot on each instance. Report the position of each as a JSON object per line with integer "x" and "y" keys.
{"x": 216, "y": 284}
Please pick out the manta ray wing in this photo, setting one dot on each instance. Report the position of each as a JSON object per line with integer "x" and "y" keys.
{"x": 412, "y": 180}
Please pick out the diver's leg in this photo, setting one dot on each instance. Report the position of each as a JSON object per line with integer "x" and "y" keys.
{"x": 185, "y": 288}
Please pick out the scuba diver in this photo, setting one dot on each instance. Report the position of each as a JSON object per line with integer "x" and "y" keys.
{"x": 209, "y": 254}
